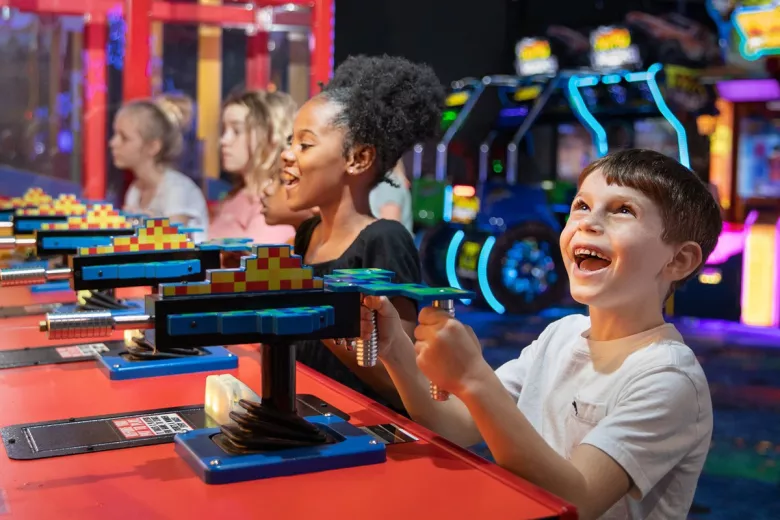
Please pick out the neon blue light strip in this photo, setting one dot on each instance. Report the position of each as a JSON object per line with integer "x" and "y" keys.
{"x": 446, "y": 214}
{"x": 611, "y": 79}
{"x": 482, "y": 278}
{"x": 584, "y": 115}
{"x": 451, "y": 259}
{"x": 682, "y": 137}
{"x": 633, "y": 77}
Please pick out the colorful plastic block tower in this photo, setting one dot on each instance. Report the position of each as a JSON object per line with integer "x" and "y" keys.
{"x": 270, "y": 268}
{"x": 100, "y": 216}
{"x": 157, "y": 234}
{"x": 32, "y": 197}
{"x": 61, "y": 206}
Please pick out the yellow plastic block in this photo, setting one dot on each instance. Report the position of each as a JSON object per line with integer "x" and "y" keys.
{"x": 240, "y": 287}
{"x": 284, "y": 252}
{"x": 262, "y": 253}
{"x": 273, "y": 263}
{"x": 296, "y": 284}
{"x": 222, "y": 276}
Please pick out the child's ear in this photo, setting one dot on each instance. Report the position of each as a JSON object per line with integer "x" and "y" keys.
{"x": 154, "y": 147}
{"x": 686, "y": 260}
{"x": 360, "y": 159}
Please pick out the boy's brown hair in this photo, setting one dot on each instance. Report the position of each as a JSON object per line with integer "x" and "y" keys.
{"x": 688, "y": 210}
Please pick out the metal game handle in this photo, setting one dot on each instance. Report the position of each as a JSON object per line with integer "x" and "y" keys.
{"x": 7, "y": 243}
{"x": 436, "y": 393}
{"x": 367, "y": 351}
{"x": 32, "y": 276}
{"x": 97, "y": 324}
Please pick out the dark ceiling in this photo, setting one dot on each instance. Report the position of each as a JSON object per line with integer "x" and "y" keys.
{"x": 475, "y": 37}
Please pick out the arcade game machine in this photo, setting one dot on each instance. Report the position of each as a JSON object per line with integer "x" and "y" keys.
{"x": 509, "y": 255}
{"x": 739, "y": 282}
{"x": 436, "y": 164}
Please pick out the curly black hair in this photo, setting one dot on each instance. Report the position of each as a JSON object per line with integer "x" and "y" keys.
{"x": 389, "y": 103}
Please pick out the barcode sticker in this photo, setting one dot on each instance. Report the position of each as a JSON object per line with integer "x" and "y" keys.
{"x": 79, "y": 351}
{"x": 151, "y": 426}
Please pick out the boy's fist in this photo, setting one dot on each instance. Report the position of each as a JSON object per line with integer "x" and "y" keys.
{"x": 448, "y": 352}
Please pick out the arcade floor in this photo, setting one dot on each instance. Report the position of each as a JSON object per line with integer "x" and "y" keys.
{"x": 742, "y": 475}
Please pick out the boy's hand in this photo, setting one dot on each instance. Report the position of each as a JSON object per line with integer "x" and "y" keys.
{"x": 448, "y": 352}
{"x": 389, "y": 325}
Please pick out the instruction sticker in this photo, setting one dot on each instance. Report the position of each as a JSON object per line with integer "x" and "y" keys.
{"x": 151, "y": 426}
{"x": 79, "y": 351}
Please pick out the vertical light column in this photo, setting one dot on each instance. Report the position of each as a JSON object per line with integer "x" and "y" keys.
{"x": 258, "y": 61}
{"x": 209, "y": 97}
{"x": 94, "y": 112}
{"x": 157, "y": 58}
{"x": 322, "y": 52}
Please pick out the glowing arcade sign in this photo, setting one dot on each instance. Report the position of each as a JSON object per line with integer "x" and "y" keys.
{"x": 533, "y": 57}
{"x": 758, "y": 27}
{"x": 611, "y": 48}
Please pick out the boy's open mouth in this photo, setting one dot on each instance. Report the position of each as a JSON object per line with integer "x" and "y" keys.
{"x": 289, "y": 179}
{"x": 589, "y": 259}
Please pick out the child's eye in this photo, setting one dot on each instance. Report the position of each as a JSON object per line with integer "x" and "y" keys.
{"x": 305, "y": 146}
{"x": 579, "y": 205}
{"x": 625, "y": 210}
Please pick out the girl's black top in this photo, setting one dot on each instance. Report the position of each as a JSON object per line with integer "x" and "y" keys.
{"x": 383, "y": 244}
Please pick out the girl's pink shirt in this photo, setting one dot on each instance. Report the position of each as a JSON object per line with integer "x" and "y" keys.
{"x": 241, "y": 217}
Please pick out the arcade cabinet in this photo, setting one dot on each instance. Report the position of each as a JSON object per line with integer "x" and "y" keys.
{"x": 742, "y": 272}
{"x": 509, "y": 255}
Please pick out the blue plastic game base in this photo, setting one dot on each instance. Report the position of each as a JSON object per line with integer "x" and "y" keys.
{"x": 118, "y": 368}
{"x": 134, "y": 307}
{"x": 214, "y": 466}
{"x": 51, "y": 287}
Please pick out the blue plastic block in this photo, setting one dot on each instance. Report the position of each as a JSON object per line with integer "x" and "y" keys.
{"x": 280, "y": 322}
{"x": 32, "y": 264}
{"x": 130, "y": 271}
{"x": 31, "y": 225}
{"x": 240, "y": 322}
{"x": 62, "y": 285}
{"x": 155, "y": 270}
{"x": 6, "y": 216}
{"x": 199, "y": 323}
{"x": 214, "y": 466}
{"x": 118, "y": 368}
{"x": 75, "y": 242}
{"x": 228, "y": 244}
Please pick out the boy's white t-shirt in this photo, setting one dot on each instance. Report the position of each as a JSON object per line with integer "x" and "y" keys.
{"x": 176, "y": 194}
{"x": 642, "y": 400}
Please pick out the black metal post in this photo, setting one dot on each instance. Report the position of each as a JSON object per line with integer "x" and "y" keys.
{"x": 278, "y": 373}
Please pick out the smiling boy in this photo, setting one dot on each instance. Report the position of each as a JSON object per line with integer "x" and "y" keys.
{"x": 612, "y": 411}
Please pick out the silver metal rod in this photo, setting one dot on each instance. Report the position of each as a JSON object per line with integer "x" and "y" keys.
{"x": 441, "y": 148}
{"x": 367, "y": 351}
{"x": 530, "y": 119}
{"x": 417, "y": 161}
{"x": 484, "y": 155}
{"x": 33, "y": 276}
{"x": 13, "y": 242}
{"x": 436, "y": 393}
{"x": 97, "y": 324}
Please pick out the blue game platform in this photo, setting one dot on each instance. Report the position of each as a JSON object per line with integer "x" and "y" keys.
{"x": 117, "y": 368}
{"x": 215, "y": 466}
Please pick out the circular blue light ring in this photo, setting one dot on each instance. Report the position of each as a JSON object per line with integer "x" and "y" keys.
{"x": 450, "y": 260}
{"x": 482, "y": 277}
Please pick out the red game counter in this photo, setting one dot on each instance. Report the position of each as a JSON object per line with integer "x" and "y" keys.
{"x": 427, "y": 478}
